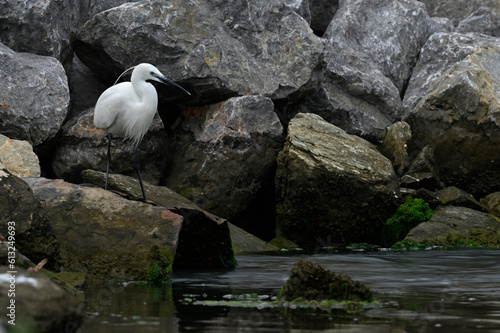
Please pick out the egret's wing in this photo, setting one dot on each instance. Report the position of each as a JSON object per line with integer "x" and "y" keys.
{"x": 109, "y": 105}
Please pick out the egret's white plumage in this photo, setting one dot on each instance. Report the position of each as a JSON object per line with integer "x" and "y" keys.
{"x": 127, "y": 109}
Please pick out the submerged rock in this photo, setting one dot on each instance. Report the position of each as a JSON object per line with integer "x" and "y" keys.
{"x": 332, "y": 186}
{"x": 310, "y": 281}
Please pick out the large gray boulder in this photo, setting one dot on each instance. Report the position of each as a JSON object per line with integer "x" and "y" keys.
{"x": 35, "y": 96}
{"x": 482, "y": 21}
{"x": 223, "y": 157}
{"x": 458, "y": 116}
{"x": 366, "y": 65}
{"x": 457, "y": 10}
{"x": 388, "y": 33}
{"x": 438, "y": 55}
{"x": 221, "y": 49}
{"x": 42, "y": 27}
{"x": 81, "y": 146}
{"x": 331, "y": 185}
{"x": 452, "y": 226}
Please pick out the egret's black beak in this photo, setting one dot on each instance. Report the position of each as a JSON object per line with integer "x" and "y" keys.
{"x": 166, "y": 80}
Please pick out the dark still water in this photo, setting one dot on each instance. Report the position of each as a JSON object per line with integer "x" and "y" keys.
{"x": 431, "y": 291}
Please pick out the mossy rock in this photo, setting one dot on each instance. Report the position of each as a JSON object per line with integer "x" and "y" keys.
{"x": 283, "y": 243}
{"x": 410, "y": 214}
{"x": 310, "y": 281}
{"x": 458, "y": 227}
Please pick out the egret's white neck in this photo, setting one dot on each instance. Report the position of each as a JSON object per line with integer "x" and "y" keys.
{"x": 145, "y": 91}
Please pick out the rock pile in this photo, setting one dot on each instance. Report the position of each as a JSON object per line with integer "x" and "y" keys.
{"x": 292, "y": 103}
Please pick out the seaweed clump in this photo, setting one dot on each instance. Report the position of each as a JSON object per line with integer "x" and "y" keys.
{"x": 411, "y": 213}
{"x": 310, "y": 281}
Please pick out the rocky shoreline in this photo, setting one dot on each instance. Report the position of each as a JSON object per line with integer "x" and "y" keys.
{"x": 309, "y": 120}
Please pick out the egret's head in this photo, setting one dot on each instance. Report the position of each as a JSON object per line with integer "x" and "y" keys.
{"x": 149, "y": 72}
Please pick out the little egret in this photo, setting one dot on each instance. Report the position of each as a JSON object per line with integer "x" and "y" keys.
{"x": 127, "y": 109}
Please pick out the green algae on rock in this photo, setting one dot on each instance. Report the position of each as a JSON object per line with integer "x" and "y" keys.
{"x": 411, "y": 213}
{"x": 310, "y": 281}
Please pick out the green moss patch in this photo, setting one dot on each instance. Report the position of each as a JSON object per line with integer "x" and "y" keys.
{"x": 411, "y": 213}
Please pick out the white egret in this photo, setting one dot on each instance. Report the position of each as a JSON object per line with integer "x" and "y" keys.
{"x": 127, "y": 109}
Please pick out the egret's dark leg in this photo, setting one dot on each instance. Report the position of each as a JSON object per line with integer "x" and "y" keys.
{"x": 110, "y": 136}
{"x": 138, "y": 169}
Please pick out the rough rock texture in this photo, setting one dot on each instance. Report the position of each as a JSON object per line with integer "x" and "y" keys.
{"x": 82, "y": 146}
{"x": 482, "y": 21}
{"x": 441, "y": 52}
{"x": 491, "y": 203}
{"x": 19, "y": 208}
{"x": 18, "y": 157}
{"x": 312, "y": 282}
{"x": 394, "y": 145}
{"x": 459, "y": 116}
{"x": 18, "y": 203}
{"x": 97, "y": 6}
{"x": 301, "y": 7}
{"x": 102, "y": 234}
{"x": 457, "y": 225}
{"x": 222, "y": 48}
{"x": 390, "y": 46}
{"x": 423, "y": 171}
{"x": 223, "y": 157}
{"x": 330, "y": 183}
{"x": 42, "y": 27}
{"x": 40, "y": 305}
{"x": 365, "y": 66}
{"x": 242, "y": 241}
{"x": 457, "y": 10}
{"x": 34, "y": 96}
{"x": 453, "y": 196}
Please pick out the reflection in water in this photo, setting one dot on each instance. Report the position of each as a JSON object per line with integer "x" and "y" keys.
{"x": 432, "y": 291}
